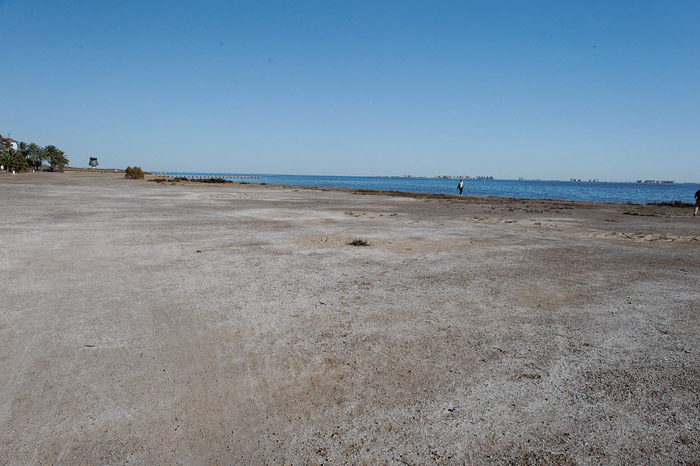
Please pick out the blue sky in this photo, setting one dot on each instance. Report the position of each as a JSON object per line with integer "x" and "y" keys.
{"x": 533, "y": 89}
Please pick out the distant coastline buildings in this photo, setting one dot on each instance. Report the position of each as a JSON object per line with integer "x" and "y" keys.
{"x": 573, "y": 180}
{"x": 638, "y": 181}
{"x": 464, "y": 177}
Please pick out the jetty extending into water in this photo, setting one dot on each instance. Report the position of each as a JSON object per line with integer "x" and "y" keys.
{"x": 210, "y": 176}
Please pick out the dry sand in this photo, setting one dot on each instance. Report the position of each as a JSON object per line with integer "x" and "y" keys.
{"x": 146, "y": 323}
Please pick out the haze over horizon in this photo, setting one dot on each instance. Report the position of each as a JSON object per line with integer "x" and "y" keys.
{"x": 539, "y": 90}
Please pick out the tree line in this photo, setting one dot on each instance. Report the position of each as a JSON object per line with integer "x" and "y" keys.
{"x": 30, "y": 156}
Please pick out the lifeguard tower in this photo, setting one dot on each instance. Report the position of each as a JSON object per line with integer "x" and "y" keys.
{"x": 93, "y": 162}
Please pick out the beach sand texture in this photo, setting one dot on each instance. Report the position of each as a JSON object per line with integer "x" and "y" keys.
{"x": 183, "y": 323}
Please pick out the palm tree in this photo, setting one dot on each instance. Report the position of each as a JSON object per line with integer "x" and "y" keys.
{"x": 36, "y": 155}
{"x": 61, "y": 161}
{"x": 52, "y": 154}
{"x": 56, "y": 158}
{"x": 13, "y": 160}
{"x": 23, "y": 149}
{"x": 4, "y": 144}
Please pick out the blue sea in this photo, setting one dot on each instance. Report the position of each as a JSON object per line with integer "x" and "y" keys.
{"x": 623, "y": 193}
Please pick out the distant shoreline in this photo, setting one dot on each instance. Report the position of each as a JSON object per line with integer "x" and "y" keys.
{"x": 605, "y": 192}
{"x": 469, "y": 194}
{"x": 445, "y": 178}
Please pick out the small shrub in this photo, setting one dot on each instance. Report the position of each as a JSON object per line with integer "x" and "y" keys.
{"x": 359, "y": 242}
{"x": 211, "y": 180}
{"x": 134, "y": 173}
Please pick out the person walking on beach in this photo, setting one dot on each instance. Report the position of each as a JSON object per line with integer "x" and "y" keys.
{"x": 460, "y": 186}
{"x": 697, "y": 202}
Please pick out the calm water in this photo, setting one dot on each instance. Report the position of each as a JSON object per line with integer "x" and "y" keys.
{"x": 636, "y": 193}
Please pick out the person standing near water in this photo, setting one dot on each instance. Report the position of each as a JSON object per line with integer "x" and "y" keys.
{"x": 460, "y": 186}
{"x": 697, "y": 202}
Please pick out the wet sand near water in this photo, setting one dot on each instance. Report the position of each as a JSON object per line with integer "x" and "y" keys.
{"x": 188, "y": 323}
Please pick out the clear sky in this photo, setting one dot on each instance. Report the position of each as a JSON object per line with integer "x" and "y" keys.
{"x": 552, "y": 90}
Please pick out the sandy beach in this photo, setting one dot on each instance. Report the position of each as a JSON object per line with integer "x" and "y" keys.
{"x": 184, "y": 323}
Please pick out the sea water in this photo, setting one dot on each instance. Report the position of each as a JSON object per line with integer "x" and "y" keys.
{"x": 635, "y": 193}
